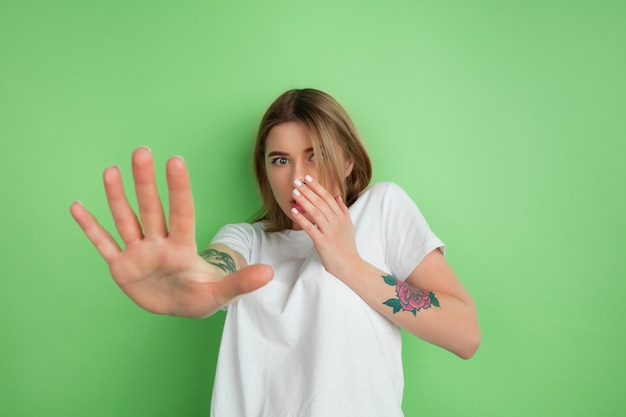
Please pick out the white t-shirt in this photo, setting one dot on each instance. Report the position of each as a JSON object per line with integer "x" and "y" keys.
{"x": 305, "y": 344}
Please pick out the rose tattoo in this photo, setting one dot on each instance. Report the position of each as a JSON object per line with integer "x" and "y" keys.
{"x": 409, "y": 298}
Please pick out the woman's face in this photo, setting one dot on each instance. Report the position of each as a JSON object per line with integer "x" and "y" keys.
{"x": 288, "y": 156}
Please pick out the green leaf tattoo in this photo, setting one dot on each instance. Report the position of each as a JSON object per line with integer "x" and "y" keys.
{"x": 390, "y": 280}
{"x": 409, "y": 298}
{"x": 395, "y": 304}
{"x": 220, "y": 259}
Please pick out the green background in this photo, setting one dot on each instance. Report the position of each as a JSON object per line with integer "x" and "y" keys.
{"x": 504, "y": 120}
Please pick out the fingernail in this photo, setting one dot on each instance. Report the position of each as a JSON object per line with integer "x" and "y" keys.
{"x": 296, "y": 192}
{"x": 295, "y": 210}
{"x": 297, "y": 182}
{"x": 308, "y": 178}
{"x": 147, "y": 147}
{"x": 108, "y": 169}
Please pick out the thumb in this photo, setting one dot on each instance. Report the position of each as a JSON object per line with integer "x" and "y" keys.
{"x": 242, "y": 282}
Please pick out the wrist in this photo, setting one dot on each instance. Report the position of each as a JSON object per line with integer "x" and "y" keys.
{"x": 350, "y": 269}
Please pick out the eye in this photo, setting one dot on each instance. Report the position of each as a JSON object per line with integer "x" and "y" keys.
{"x": 280, "y": 161}
{"x": 314, "y": 158}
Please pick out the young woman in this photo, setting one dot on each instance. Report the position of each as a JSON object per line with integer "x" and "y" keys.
{"x": 316, "y": 290}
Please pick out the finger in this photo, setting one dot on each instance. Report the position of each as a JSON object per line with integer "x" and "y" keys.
{"x": 322, "y": 192}
{"x": 313, "y": 205}
{"x": 342, "y": 206}
{"x": 182, "y": 217}
{"x": 150, "y": 207}
{"x": 101, "y": 239}
{"x": 309, "y": 210}
{"x": 307, "y": 225}
{"x": 243, "y": 281}
{"x": 124, "y": 217}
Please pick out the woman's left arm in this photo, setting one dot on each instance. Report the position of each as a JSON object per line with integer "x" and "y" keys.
{"x": 431, "y": 303}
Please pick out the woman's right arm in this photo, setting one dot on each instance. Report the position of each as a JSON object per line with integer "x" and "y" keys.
{"x": 159, "y": 268}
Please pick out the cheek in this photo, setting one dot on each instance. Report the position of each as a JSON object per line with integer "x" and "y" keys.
{"x": 335, "y": 190}
{"x": 332, "y": 185}
{"x": 275, "y": 182}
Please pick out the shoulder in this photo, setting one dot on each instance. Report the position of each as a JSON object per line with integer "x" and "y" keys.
{"x": 258, "y": 227}
{"x": 382, "y": 200}
{"x": 388, "y": 200}
{"x": 240, "y": 237}
{"x": 384, "y": 190}
{"x": 241, "y": 231}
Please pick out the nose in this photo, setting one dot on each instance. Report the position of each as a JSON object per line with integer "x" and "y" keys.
{"x": 300, "y": 170}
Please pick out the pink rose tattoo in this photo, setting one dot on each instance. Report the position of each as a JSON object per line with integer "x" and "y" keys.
{"x": 409, "y": 298}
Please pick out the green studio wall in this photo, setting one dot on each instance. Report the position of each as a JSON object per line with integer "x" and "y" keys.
{"x": 504, "y": 121}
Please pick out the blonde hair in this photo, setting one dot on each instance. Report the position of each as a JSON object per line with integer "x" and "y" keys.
{"x": 330, "y": 129}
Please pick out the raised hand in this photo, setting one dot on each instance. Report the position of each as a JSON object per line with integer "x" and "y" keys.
{"x": 160, "y": 269}
{"x": 327, "y": 221}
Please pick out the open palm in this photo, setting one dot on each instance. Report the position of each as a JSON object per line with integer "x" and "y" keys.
{"x": 160, "y": 269}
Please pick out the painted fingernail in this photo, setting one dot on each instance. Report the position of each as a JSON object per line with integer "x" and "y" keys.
{"x": 296, "y": 192}
{"x": 297, "y": 182}
{"x": 295, "y": 210}
{"x": 308, "y": 178}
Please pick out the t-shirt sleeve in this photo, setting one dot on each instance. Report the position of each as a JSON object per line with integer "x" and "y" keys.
{"x": 408, "y": 237}
{"x": 238, "y": 237}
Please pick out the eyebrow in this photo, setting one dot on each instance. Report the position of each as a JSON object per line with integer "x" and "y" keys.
{"x": 280, "y": 153}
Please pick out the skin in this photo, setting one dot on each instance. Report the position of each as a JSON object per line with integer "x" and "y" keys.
{"x": 160, "y": 269}
{"x": 453, "y": 326}
{"x": 326, "y": 219}
{"x": 289, "y": 157}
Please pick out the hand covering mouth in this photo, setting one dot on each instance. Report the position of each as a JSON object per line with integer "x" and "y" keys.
{"x": 296, "y": 206}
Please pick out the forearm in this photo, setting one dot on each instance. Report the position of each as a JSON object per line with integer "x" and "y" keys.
{"x": 447, "y": 318}
{"x": 220, "y": 276}
{"x": 436, "y": 316}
